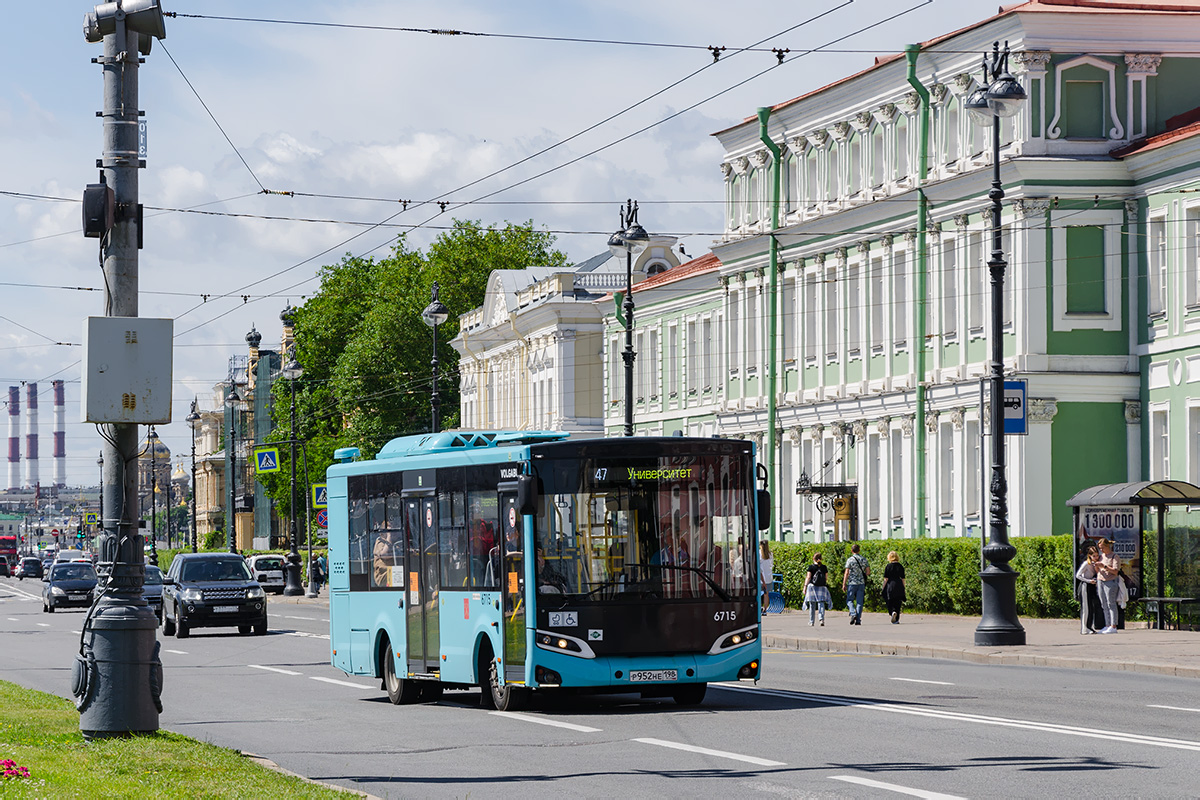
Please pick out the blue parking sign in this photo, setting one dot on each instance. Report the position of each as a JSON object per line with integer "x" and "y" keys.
{"x": 266, "y": 459}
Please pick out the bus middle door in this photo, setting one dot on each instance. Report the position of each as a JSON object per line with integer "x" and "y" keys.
{"x": 513, "y": 588}
{"x": 422, "y": 565}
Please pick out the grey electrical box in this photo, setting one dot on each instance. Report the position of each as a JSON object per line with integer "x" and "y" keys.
{"x": 127, "y": 370}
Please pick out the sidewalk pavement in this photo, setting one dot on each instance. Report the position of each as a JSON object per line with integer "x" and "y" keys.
{"x": 1050, "y": 642}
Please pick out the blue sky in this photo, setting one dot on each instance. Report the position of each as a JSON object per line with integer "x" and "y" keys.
{"x": 380, "y": 114}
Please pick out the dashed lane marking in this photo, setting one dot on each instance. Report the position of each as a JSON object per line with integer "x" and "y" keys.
{"x": 341, "y": 683}
{"x": 1175, "y": 708}
{"x": 916, "y": 680}
{"x": 894, "y": 787}
{"x": 273, "y": 669}
{"x": 691, "y": 748}
{"x": 546, "y": 721}
{"x": 177, "y": 652}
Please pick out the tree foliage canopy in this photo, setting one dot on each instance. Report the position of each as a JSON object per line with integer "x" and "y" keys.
{"x": 366, "y": 351}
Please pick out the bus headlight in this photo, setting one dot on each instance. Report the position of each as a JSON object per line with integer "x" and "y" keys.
{"x": 562, "y": 643}
{"x": 736, "y": 639}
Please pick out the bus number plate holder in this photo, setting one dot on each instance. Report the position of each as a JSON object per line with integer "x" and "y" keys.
{"x": 653, "y": 675}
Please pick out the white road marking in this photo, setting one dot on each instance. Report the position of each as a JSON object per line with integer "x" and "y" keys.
{"x": 1047, "y": 727}
{"x": 13, "y": 619}
{"x": 308, "y": 635}
{"x": 1174, "y": 708}
{"x": 762, "y": 762}
{"x": 23, "y": 593}
{"x": 892, "y": 787}
{"x": 310, "y": 619}
{"x": 77, "y": 633}
{"x": 914, "y": 680}
{"x": 342, "y": 683}
{"x": 177, "y": 652}
{"x": 273, "y": 669}
{"x": 43, "y": 624}
{"x": 546, "y": 721}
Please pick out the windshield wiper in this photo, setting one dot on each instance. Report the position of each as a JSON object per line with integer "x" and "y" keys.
{"x": 703, "y": 574}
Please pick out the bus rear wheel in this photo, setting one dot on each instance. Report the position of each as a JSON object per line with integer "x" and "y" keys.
{"x": 399, "y": 691}
{"x": 690, "y": 694}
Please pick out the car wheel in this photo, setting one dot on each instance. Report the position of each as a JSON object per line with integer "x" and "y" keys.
{"x": 260, "y": 628}
{"x": 243, "y": 629}
{"x": 399, "y": 691}
{"x": 50, "y": 607}
{"x": 181, "y": 629}
{"x": 168, "y": 625}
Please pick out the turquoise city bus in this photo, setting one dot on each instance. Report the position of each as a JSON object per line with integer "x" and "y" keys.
{"x": 530, "y": 561}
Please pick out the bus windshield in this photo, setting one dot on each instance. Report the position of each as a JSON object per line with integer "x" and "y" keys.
{"x": 636, "y": 528}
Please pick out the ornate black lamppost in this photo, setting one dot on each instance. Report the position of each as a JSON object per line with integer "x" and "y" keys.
{"x": 434, "y": 315}
{"x": 629, "y": 241}
{"x": 192, "y": 420}
{"x": 100, "y": 464}
{"x": 231, "y": 402}
{"x": 152, "y": 443}
{"x": 292, "y": 372}
{"x": 999, "y": 95}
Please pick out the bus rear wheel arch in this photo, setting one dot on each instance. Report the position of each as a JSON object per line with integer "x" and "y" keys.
{"x": 399, "y": 690}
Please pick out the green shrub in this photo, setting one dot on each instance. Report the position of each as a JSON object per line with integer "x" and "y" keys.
{"x": 941, "y": 575}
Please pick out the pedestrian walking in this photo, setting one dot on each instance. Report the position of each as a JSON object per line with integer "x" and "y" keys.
{"x": 1091, "y": 617}
{"x": 1108, "y": 584}
{"x": 766, "y": 570}
{"x": 894, "y": 591}
{"x": 816, "y": 593}
{"x": 854, "y": 583}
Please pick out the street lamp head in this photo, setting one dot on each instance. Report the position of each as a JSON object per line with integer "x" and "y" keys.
{"x": 100, "y": 460}
{"x": 194, "y": 417}
{"x": 435, "y": 313}
{"x": 292, "y": 370}
{"x": 977, "y": 106}
{"x": 1005, "y": 96}
{"x": 233, "y": 398}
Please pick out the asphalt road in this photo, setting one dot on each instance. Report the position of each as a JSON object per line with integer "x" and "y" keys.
{"x": 817, "y": 725}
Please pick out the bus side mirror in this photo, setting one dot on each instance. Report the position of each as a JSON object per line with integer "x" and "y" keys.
{"x": 764, "y": 509}
{"x": 527, "y": 495}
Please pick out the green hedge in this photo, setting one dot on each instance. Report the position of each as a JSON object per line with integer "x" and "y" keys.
{"x": 941, "y": 575}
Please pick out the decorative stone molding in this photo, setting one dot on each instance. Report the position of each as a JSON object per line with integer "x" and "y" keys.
{"x": 938, "y": 93}
{"x": 961, "y": 221}
{"x": 1032, "y": 61}
{"x": 957, "y": 417}
{"x": 885, "y": 113}
{"x": 962, "y": 83}
{"x": 862, "y": 121}
{"x": 795, "y": 434}
{"x": 1042, "y": 409}
{"x": 859, "y": 430}
{"x": 931, "y": 421}
{"x": 797, "y": 144}
{"x": 840, "y": 255}
{"x": 883, "y": 425}
{"x": 909, "y": 103}
{"x": 817, "y": 430}
{"x": 864, "y": 247}
{"x": 726, "y": 170}
{"x": 760, "y": 158}
{"x": 741, "y": 165}
{"x": 840, "y": 131}
{"x": 838, "y": 429}
{"x": 1133, "y": 412}
{"x": 886, "y": 241}
{"x": 1142, "y": 63}
{"x": 906, "y": 425}
{"x": 818, "y": 138}
{"x": 819, "y": 260}
{"x": 759, "y": 272}
{"x": 1031, "y": 206}
{"x": 910, "y": 238}
{"x": 1131, "y": 209}
{"x": 934, "y": 231}
{"x": 778, "y": 439}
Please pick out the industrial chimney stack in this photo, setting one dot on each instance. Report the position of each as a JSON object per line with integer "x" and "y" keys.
{"x": 14, "y": 437}
{"x": 31, "y": 436}
{"x": 60, "y": 435}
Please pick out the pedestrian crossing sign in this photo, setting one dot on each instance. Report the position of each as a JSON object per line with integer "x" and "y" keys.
{"x": 320, "y": 496}
{"x": 90, "y": 518}
{"x": 266, "y": 459}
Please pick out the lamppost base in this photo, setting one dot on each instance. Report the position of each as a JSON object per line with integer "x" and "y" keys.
{"x": 999, "y": 626}
{"x": 293, "y": 587}
{"x": 117, "y": 681}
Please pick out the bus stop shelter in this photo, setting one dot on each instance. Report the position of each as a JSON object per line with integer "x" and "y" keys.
{"x": 1142, "y": 495}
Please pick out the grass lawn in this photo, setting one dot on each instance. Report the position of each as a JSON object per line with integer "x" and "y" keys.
{"x": 41, "y": 732}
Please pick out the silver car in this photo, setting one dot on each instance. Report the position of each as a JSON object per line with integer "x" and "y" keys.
{"x": 267, "y": 569}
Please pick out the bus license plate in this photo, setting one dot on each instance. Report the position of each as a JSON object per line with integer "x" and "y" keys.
{"x": 653, "y": 675}
{"x": 225, "y": 609}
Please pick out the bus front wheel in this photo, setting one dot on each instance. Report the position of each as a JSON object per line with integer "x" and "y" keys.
{"x": 506, "y": 697}
{"x": 399, "y": 691}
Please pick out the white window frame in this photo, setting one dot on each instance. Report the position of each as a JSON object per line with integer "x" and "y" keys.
{"x": 1109, "y": 222}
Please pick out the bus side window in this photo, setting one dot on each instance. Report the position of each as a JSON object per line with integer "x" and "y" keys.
{"x": 359, "y": 541}
{"x": 485, "y": 553}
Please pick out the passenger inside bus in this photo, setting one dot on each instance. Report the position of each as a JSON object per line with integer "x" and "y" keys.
{"x": 385, "y": 557}
{"x": 550, "y": 581}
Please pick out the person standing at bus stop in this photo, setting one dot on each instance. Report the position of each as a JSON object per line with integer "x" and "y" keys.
{"x": 1108, "y": 578}
{"x": 854, "y": 583}
{"x": 816, "y": 593}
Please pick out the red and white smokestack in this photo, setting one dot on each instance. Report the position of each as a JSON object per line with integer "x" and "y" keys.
{"x": 31, "y": 436}
{"x": 14, "y": 437}
{"x": 60, "y": 435}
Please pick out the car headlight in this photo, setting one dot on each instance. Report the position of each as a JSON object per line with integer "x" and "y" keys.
{"x": 54, "y": 590}
{"x": 255, "y": 593}
{"x": 192, "y": 595}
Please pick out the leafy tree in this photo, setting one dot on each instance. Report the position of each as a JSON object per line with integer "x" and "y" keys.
{"x": 366, "y": 351}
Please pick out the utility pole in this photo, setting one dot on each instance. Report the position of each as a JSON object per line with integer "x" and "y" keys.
{"x": 117, "y": 676}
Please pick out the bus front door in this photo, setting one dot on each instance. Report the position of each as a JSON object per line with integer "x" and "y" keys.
{"x": 422, "y": 566}
{"x": 513, "y": 586}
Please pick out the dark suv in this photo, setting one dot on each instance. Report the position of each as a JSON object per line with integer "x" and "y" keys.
{"x": 212, "y": 590}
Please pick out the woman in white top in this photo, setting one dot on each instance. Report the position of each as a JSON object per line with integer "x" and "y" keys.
{"x": 1108, "y": 578}
{"x": 766, "y": 570}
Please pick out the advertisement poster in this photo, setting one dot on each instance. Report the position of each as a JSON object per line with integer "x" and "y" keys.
{"x": 1122, "y": 525}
